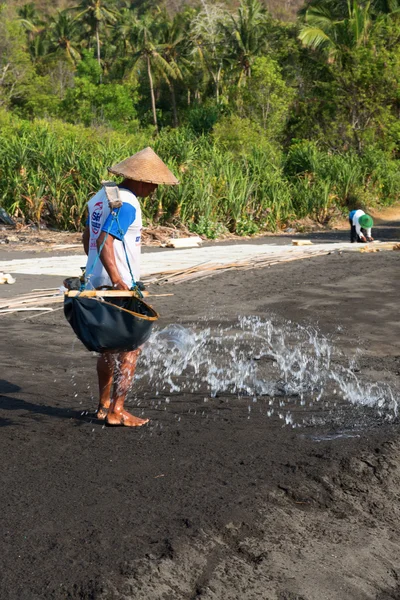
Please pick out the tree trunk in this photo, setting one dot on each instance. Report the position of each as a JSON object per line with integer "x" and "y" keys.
{"x": 98, "y": 47}
{"x": 153, "y": 100}
{"x": 217, "y": 80}
{"x": 173, "y": 102}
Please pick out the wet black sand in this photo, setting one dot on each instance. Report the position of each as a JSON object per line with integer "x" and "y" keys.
{"x": 213, "y": 507}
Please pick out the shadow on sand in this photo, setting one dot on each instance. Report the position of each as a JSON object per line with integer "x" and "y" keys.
{"x": 9, "y": 403}
{"x": 383, "y": 231}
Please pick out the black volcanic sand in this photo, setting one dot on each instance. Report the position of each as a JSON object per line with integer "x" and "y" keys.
{"x": 212, "y": 506}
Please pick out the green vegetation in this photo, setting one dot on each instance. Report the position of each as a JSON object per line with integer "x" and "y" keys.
{"x": 263, "y": 121}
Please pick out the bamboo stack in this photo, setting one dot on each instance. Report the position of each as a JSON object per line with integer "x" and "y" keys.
{"x": 32, "y": 301}
{"x": 40, "y": 299}
{"x": 204, "y": 270}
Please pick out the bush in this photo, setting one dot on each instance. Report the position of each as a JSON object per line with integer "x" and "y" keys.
{"x": 104, "y": 104}
{"x": 201, "y": 119}
{"x": 266, "y": 98}
{"x": 303, "y": 158}
{"x": 49, "y": 170}
{"x": 211, "y": 229}
{"x": 240, "y": 135}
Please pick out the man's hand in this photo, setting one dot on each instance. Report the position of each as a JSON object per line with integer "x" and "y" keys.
{"x": 362, "y": 238}
{"x": 120, "y": 285}
{"x": 370, "y": 239}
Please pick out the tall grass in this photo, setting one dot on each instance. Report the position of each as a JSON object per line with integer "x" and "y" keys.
{"x": 49, "y": 170}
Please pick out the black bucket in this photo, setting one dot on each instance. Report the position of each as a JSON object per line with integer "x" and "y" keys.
{"x": 110, "y": 324}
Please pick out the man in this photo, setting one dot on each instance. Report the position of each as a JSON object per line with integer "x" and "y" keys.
{"x": 360, "y": 226}
{"x": 142, "y": 173}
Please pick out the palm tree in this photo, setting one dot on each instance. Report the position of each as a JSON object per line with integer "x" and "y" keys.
{"x": 174, "y": 50}
{"x": 323, "y": 30}
{"x": 246, "y": 35}
{"x": 349, "y": 41}
{"x": 208, "y": 41}
{"x": 339, "y": 8}
{"x": 386, "y": 7}
{"x": 28, "y": 12}
{"x": 30, "y": 20}
{"x": 63, "y": 35}
{"x": 94, "y": 13}
{"x": 39, "y": 47}
{"x": 29, "y": 17}
{"x": 122, "y": 32}
{"x": 122, "y": 40}
{"x": 146, "y": 39}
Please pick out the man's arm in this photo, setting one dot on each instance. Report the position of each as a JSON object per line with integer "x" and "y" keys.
{"x": 85, "y": 240}
{"x": 107, "y": 257}
{"x": 116, "y": 229}
{"x": 358, "y": 230}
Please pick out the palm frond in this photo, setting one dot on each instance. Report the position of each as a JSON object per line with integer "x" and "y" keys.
{"x": 314, "y": 37}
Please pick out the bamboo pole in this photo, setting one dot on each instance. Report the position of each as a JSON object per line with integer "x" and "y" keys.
{"x": 14, "y": 303}
{"x": 12, "y": 310}
{"x": 99, "y": 293}
{"x": 53, "y": 310}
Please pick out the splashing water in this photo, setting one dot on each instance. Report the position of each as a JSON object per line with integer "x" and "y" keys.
{"x": 257, "y": 358}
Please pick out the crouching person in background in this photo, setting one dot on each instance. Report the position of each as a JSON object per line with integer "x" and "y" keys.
{"x": 360, "y": 226}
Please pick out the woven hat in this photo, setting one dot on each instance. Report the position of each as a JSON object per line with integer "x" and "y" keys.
{"x": 145, "y": 166}
{"x": 366, "y": 221}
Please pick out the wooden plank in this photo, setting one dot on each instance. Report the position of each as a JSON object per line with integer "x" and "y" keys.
{"x": 63, "y": 246}
{"x": 99, "y": 293}
{"x": 7, "y": 278}
{"x": 189, "y": 242}
{"x": 159, "y": 295}
{"x": 302, "y": 243}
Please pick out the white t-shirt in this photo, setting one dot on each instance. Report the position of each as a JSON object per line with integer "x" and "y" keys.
{"x": 130, "y": 226}
{"x": 356, "y": 216}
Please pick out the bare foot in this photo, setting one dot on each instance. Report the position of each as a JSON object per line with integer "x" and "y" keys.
{"x": 125, "y": 418}
{"x": 102, "y": 412}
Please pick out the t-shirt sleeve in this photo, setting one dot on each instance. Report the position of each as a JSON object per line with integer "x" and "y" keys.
{"x": 118, "y": 228}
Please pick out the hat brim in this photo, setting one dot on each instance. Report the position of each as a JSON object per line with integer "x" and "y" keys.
{"x": 155, "y": 180}
{"x": 366, "y": 221}
{"x": 145, "y": 166}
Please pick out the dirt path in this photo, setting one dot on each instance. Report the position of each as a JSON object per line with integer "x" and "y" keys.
{"x": 207, "y": 503}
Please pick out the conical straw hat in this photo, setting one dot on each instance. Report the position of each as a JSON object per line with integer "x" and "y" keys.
{"x": 145, "y": 166}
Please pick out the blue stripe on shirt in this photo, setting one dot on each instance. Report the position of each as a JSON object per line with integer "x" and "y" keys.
{"x": 126, "y": 216}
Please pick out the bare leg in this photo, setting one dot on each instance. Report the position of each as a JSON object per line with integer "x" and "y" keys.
{"x": 105, "y": 373}
{"x": 123, "y": 381}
